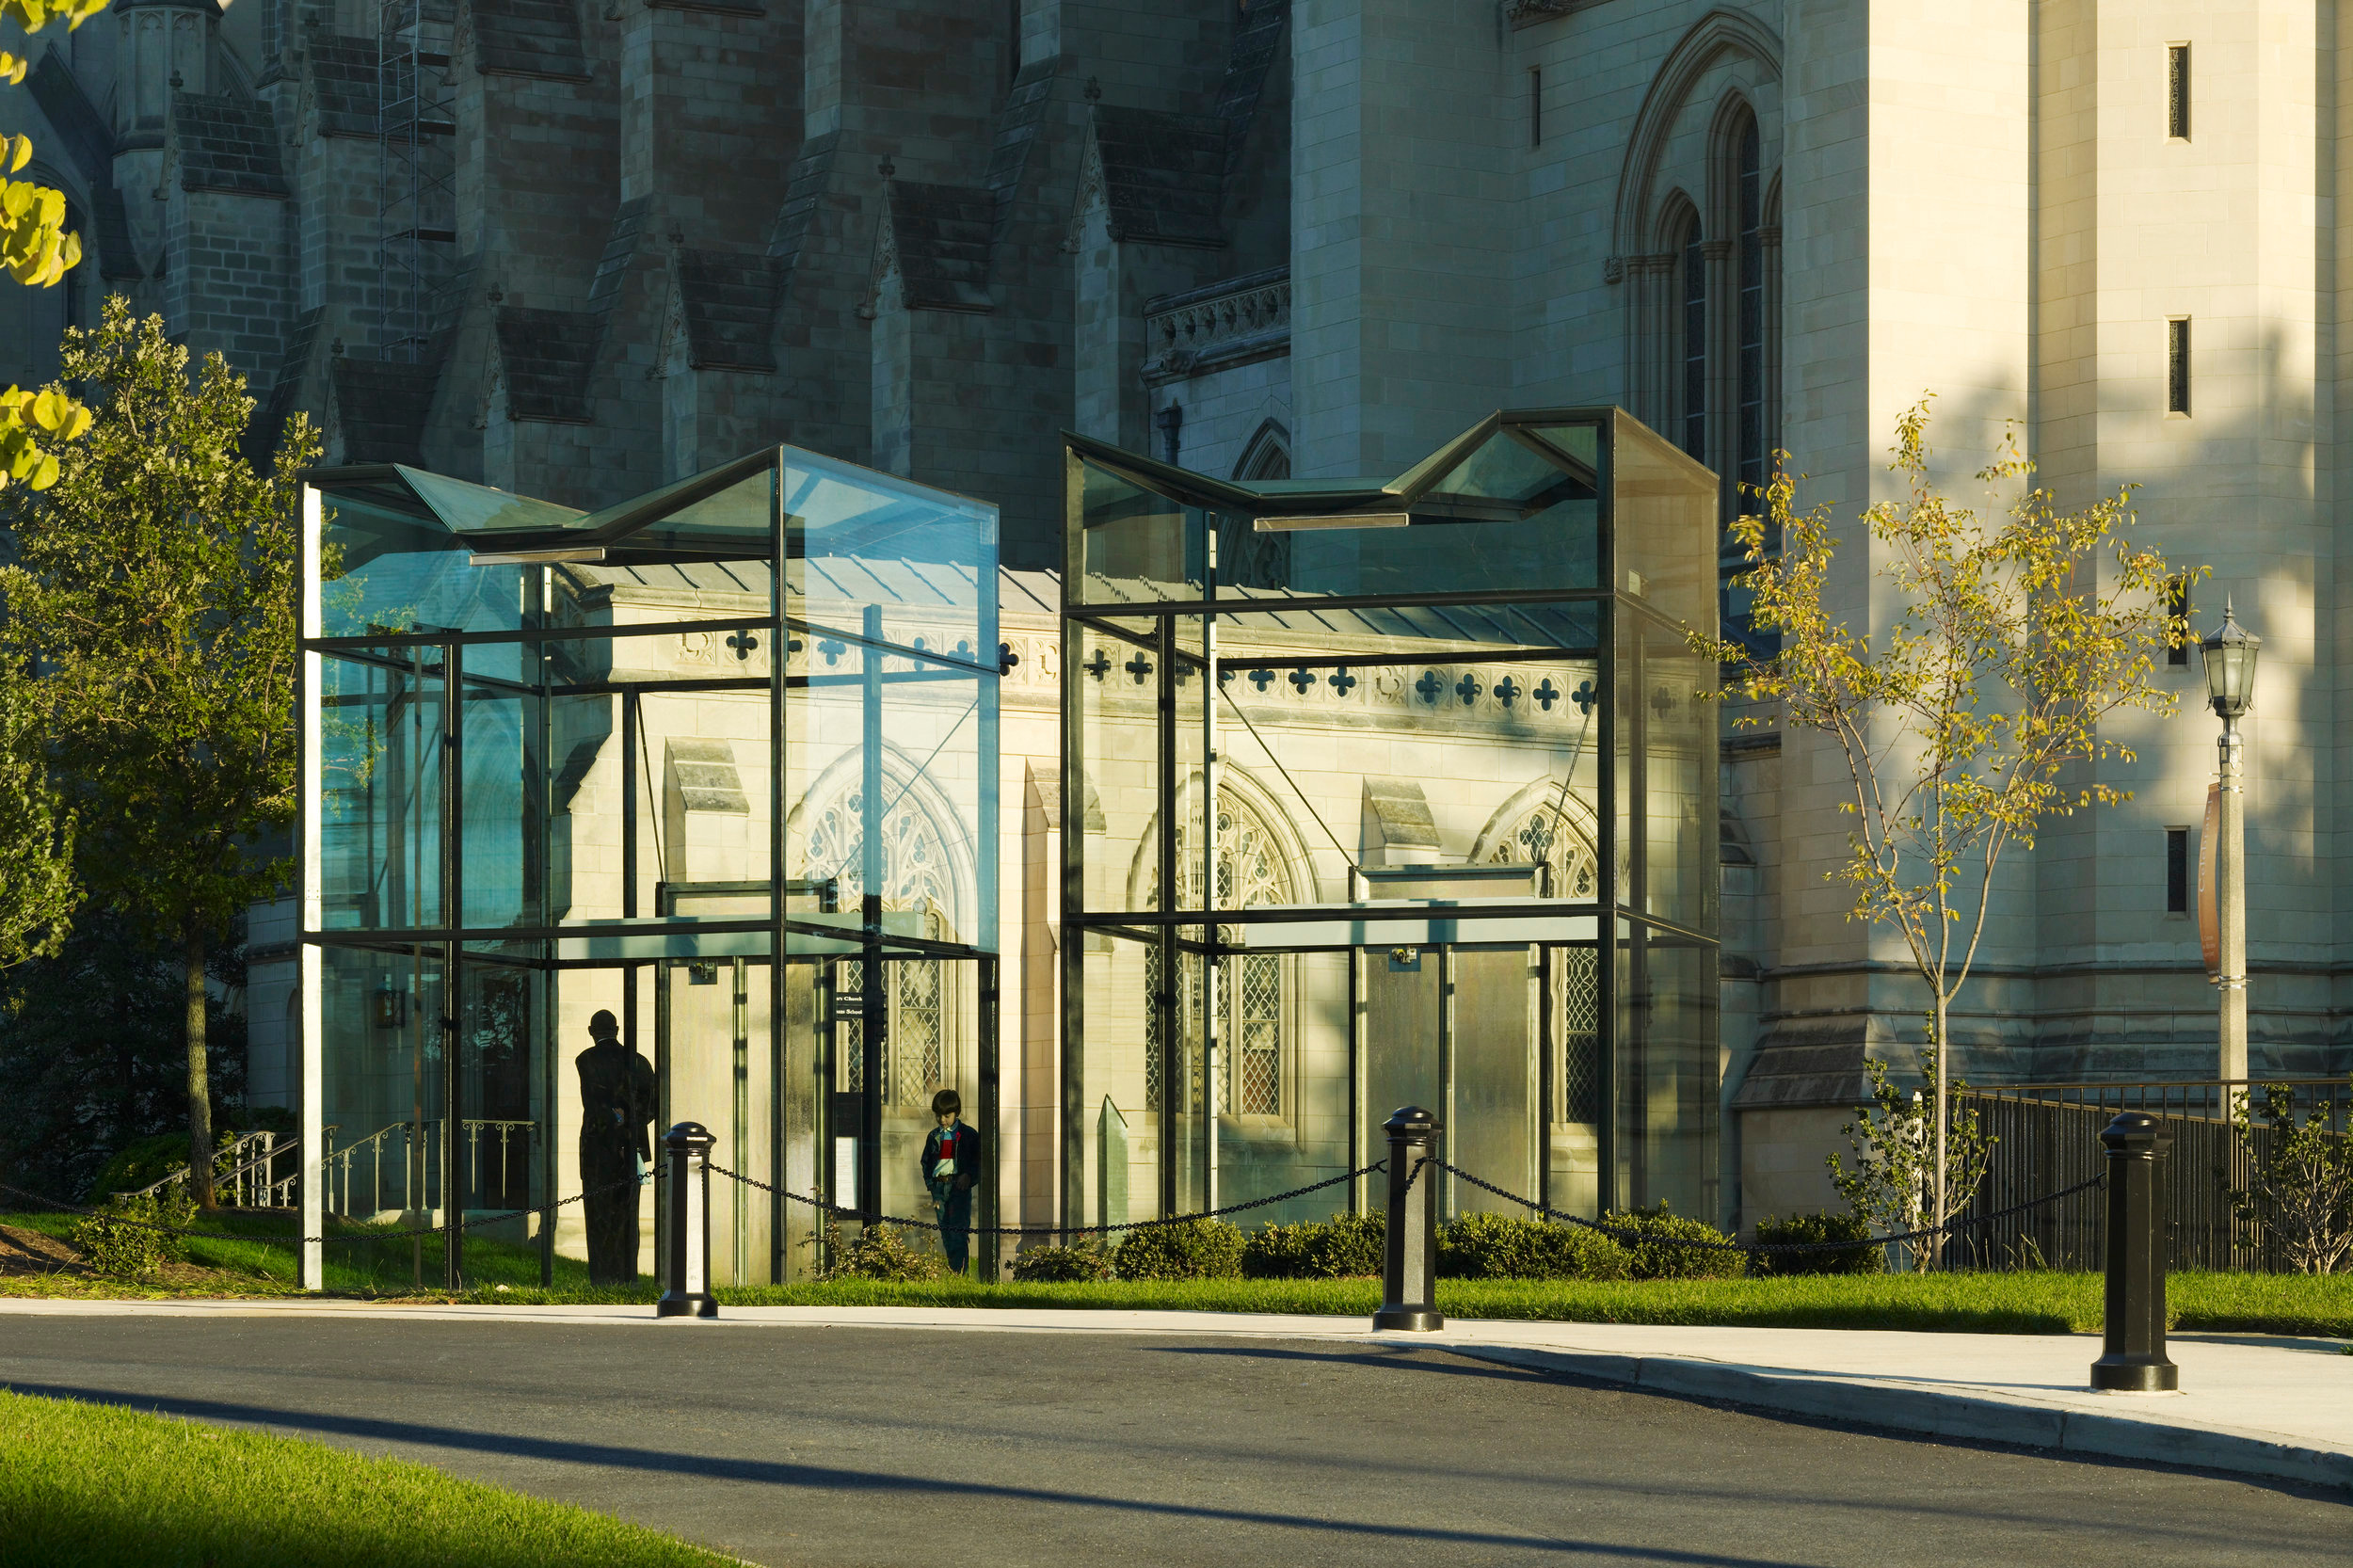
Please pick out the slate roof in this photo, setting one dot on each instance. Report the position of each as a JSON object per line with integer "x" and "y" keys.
{"x": 1163, "y": 174}
{"x": 341, "y": 71}
{"x": 83, "y": 132}
{"x": 546, "y": 357}
{"x": 530, "y": 38}
{"x": 942, "y": 234}
{"x": 621, "y": 247}
{"x": 261, "y": 436}
{"x": 1257, "y": 42}
{"x": 76, "y": 121}
{"x": 382, "y": 406}
{"x": 226, "y": 144}
{"x": 728, "y": 300}
{"x": 804, "y": 191}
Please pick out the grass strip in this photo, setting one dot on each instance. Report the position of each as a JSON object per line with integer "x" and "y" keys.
{"x": 92, "y": 1484}
{"x": 2023, "y": 1301}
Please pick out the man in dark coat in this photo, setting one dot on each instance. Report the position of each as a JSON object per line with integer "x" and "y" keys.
{"x": 616, "y": 1102}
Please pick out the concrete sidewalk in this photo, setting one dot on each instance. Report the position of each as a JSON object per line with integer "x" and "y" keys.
{"x": 2274, "y": 1407}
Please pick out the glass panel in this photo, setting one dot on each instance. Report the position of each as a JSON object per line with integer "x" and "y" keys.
{"x": 1492, "y": 1051}
{"x": 466, "y": 508}
{"x": 1679, "y": 788}
{"x": 381, "y": 776}
{"x": 1130, "y": 545}
{"x": 1111, "y": 706}
{"x": 502, "y": 1058}
{"x": 1115, "y": 1174}
{"x": 1283, "y": 1086}
{"x": 1578, "y": 1078}
{"x": 388, "y": 566}
{"x": 885, "y": 766}
{"x": 1668, "y": 1071}
{"x": 502, "y": 857}
{"x": 1663, "y": 523}
{"x": 381, "y": 1096}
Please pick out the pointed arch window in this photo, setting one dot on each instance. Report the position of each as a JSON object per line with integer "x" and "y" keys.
{"x": 916, "y": 876}
{"x": 1692, "y": 278}
{"x": 1749, "y": 176}
{"x": 1251, "y": 871}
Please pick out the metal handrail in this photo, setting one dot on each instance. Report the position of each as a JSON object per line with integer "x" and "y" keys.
{"x": 419, "y": 1172}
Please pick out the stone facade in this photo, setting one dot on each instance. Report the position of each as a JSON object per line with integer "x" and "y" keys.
{"x": 1316, "y": 238}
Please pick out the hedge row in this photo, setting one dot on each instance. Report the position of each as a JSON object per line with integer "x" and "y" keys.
{"x": 1476, "y": 1246}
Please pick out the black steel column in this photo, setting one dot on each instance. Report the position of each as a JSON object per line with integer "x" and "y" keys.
{"x": 1172, "y": 1098}
{"x": 454, "y": 913}
{"x": 2133, "y": 1343}
{"x": 874, "y": 1010}
{"x": 992, "y": 1124}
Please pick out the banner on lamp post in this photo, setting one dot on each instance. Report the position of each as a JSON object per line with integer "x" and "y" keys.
{"x": 2209, "y": 928}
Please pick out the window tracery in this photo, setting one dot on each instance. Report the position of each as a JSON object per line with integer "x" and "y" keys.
{"x": 1252, "y": 870}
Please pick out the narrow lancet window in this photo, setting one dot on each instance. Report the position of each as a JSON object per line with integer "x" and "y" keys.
{"x": 2177, "y": 365}
{"x": 2177, "y": 92}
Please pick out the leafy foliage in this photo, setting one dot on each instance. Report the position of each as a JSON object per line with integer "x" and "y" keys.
{"x": 122, "y": 1241}
{"x": 2012, "y": 643}
{"x": 1505, "y": 1246}
{"x": 879, "y": 1252}
{"x": 92, "y": 1058}
{"x": 1894, "y": 1143}
{"x": 1655, "y": 1254}
{"x": 1869, "y": 1258}
{"x": 1193, "y": 1249}
{"x": 38, "y": 890}
{"x": 1081, "y": 1261}
{"x": 153, "y": 590}
{"x": 2301, "y": 1191}
{"x": 1346, "y": 1246}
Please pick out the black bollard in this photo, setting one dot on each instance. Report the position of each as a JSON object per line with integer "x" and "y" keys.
{"x": 2134, "y": 1359}
{"x": 1409, "y": 1261}
{"x": 686, "y": 1273}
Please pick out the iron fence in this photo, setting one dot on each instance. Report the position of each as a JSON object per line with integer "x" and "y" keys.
{"x": 2047, "y": 1135}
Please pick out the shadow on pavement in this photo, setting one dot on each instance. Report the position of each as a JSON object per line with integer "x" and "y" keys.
{"x": 827, "y": 1478}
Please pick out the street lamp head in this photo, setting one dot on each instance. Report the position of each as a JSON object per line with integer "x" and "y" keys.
{"x": 2230, "y": 657}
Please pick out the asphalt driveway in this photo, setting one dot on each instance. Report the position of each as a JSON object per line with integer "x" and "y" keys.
{"x": 835, "y": 1445}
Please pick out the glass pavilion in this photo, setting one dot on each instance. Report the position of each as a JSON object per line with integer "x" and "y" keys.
{"x": 1445, "y": 834}
{"x": 554, "y": 764}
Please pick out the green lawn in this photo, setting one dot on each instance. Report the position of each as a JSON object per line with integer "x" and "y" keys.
{"x": 367, "y": 1263}
{"x": 96, "y": 1484}
{"x": 2021, "y": 1302}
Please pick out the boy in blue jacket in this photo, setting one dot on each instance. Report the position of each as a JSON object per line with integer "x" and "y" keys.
{"x": 950, "y": 1167}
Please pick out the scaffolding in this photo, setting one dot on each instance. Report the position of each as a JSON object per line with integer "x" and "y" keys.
{"x": 416, "y": 172}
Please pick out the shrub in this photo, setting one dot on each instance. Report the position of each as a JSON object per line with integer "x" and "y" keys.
{"x": 1346, "y": 1246}
{"x": 1655, "y": 1255}
{"x": 121, "y": 1239}
{"x": 140, "y": 1164}
{"x": 1079, "y": 1263}
{"x": 1194, "y": 1249}
{"x": 1505, "y": 1246}
{"x": 880, "y": 1252}
{"x": 1867, "y": 1258}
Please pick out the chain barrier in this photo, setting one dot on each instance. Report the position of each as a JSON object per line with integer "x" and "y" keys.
{"x": 57, "y": 1206}
{"x": 1640, "y": 1238}
{"x": 866, "y": 1219}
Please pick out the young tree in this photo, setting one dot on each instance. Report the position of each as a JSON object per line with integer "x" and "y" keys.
{"x": 2011, "y": 644}
{"x": 155, "y": 588}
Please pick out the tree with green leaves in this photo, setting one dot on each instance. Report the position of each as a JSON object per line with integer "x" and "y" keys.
{"x": 2011, "y": 644}
{"x": 153, "y": 593}
{"x": 36, "y": 249}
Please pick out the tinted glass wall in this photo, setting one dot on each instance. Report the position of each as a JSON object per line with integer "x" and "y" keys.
{"x": 669, "y": 812}
{"x": 1390, "y": 792}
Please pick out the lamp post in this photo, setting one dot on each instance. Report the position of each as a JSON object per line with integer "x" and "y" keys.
{"x": 2230, "y": 660}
